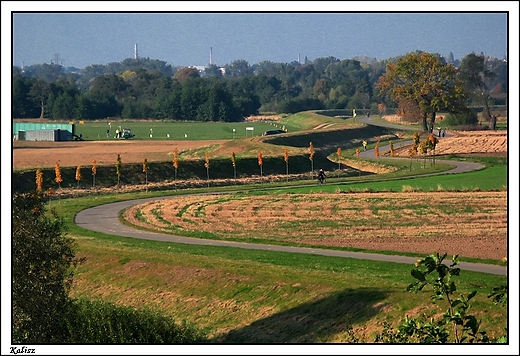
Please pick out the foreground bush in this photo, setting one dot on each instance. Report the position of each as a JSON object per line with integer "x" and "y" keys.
{"x": 42, "y": 257}
{"x": 101, "y": 322}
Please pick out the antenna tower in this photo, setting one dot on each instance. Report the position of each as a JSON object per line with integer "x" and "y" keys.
{"x": 57, "y": 61}
{"x": 136, "y": 55}
{"x": 210, "y": 56}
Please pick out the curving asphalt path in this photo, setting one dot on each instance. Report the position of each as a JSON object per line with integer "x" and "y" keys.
{"x": 105, "y": 219}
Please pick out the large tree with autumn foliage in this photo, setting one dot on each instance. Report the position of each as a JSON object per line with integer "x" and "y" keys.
{"x": 423, "y": 79}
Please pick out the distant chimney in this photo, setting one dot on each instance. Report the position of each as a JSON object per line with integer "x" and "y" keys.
{"x": 136, "y": 55}
{"x": 210, "y": 56}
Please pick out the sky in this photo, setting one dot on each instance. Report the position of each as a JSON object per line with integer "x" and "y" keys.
{"x": 80, "y": 39}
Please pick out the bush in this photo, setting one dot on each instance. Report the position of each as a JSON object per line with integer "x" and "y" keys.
{"x": 42, "y": 256}
{"x": 460, "y": 119}
{"x": 104, "y": 323}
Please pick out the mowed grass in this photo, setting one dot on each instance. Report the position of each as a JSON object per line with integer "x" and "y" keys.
{"x": 243, "y": 296}
{"x": 174, "y": 130}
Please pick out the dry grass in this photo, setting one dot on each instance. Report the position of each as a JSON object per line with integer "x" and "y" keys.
{"x": 471, "y": 224}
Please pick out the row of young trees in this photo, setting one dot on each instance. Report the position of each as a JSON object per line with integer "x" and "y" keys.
{"x": 146, "y": 165}
{"x": 424, "y": 147}
{"x": 139, "y": 90}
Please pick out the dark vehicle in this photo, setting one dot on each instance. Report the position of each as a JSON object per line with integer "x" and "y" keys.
{"x": 127, "y": 134}
{"x": 273, "y": 132}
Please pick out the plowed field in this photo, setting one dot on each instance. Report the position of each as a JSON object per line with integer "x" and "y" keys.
{"x": 471, "y": 224}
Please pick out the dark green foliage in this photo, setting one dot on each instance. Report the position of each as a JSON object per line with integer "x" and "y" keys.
{"x": 296, "y": 105}
{"x": 432, "y": 271}
{"x": 104, "y": 323}
{"x": 43, "y": 312}
{"x": 461, "y": 119}
{"x": 154, "y": 90}
{"x": 42, "y": 259}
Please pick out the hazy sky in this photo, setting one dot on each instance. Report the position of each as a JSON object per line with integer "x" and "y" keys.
{"x": 82, "y": 39}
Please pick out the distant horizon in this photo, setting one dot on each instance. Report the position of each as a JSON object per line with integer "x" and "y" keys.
{"x": 180, "y": 39}
{"x": 251, "y": 64}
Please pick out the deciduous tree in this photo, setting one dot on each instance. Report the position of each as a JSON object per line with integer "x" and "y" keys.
{"x": 311, "y": 155}
{"x": 234, "y": 162}
{"x": 260, "y": 162}
{"x": 425, "y": 80}
{"x": 78, "y": 174}
{"x": 57, "y": 171}
{"x": 118, "y": 168}
{"x": 286, "y": 159}
{"x": 42, "y": 256}
{"x": 39, "y": 181}
{"x": 476, "y": 76}
{"x": 145, "y": 171}
{"x": 94, "y": 172}
{"x": 206, "y": 164}
{"x": 175, "y": 161}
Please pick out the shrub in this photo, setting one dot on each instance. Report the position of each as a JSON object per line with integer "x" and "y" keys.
{"x": 102, "y": 323}
{"x": 42, "y": 256}
{"x": 462, "y": 119}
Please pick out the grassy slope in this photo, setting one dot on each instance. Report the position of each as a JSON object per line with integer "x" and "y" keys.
{"x": 244, "y": 296}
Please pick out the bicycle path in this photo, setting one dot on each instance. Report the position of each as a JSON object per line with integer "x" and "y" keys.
{"x": 105, "y": 219}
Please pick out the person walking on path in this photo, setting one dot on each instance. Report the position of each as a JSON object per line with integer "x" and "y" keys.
{"x": 364, "y": 145}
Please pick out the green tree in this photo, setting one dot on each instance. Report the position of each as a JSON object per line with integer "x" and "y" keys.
{"x": 456, "y": 325}
{"x": 64, "y": 107}
{"x": 39, "y": 94}
{"x": 476, "y": 77}
{"x": 238, "y": 68}
{"x": 423, "y": 79}
{"x": 23, "y": 106}
{"x": 42, "y": 257}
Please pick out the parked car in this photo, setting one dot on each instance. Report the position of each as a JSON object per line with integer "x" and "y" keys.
{"x": 273, "y": 132}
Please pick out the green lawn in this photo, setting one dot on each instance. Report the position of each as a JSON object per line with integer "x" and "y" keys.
{"x": 162, "y": 130}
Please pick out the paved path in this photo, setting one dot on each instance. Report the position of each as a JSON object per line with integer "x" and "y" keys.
{"x": 105, "y": 219}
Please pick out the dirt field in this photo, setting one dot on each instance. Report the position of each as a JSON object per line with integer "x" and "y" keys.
{"x": 27, "y": 154}
{"x": 465, "y": 223}
{"x": 470, "y": 142}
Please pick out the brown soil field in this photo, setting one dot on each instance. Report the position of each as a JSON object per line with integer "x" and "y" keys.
{"x": 30, "y": 154}
{"x": 471, "y": 224}
{"x": 469, "y": 142}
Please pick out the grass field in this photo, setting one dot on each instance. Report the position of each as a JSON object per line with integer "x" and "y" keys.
{"x": 241, "y": 296}
{"x": 163, "y": 130}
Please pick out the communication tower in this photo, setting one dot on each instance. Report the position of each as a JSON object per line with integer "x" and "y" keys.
{"x": 136, "y": 55}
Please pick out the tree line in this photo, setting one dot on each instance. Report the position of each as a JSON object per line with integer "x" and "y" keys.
{"x": 152, "y": 89}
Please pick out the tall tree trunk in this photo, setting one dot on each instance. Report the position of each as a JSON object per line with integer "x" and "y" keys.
{"x": 488, "y": 111}
{"x": 425, "y": 122}
{"x": 43, "y": 109}
{"x": 432, "y": 121}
